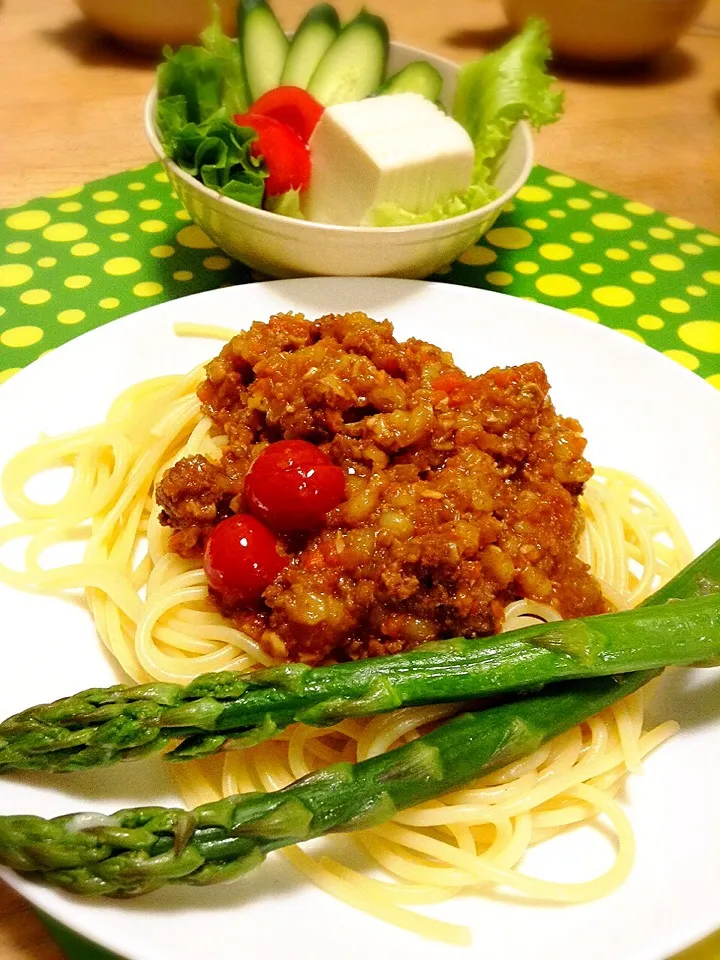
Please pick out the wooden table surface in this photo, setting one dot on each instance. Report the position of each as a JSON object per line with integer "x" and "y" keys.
{"x": 72, "y": 105}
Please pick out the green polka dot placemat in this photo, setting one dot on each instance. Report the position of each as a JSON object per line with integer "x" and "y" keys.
{"x": 82, "y": 256}
{"x": 75, "y": 259}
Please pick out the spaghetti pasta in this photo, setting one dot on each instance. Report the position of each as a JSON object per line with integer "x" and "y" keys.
{"x": 152, "y": 611}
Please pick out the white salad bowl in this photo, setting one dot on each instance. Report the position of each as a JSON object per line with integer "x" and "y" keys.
{"x": 285, "y": 247}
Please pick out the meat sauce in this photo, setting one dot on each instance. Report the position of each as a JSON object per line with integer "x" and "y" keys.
{"x": 461, "y": 493}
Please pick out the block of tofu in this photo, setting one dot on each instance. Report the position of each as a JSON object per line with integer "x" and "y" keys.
{"x": 399, "y": 149}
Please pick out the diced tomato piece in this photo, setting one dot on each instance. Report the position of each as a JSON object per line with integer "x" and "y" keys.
{"x": 285, "y": 155}
{"x": 292, "y": 485}
{"x": 448, "y": 382}
{"x": 293, "y": 106}
{"x": 458, "y": 388}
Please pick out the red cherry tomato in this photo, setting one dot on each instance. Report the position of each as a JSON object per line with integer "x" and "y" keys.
{"x": 293, "y": 106}
{"x": 241, "y": 559}
{"x": 292, "y": 485}
{"x": 285, "y": 155}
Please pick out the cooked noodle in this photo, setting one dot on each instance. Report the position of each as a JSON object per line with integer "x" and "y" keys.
{"x": 152, "y": 611}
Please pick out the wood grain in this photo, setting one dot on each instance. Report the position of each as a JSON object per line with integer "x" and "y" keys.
{"x": 22, "y": 936}
{"x": 71, "y": 111}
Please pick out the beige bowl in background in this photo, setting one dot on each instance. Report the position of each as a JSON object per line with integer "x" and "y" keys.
{"x": 609, "y": 31}
{"x": 151, "y": 23}
{"x": 284, "y": 247}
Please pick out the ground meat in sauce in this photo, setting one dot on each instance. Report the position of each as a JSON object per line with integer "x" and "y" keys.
{"x": 462, "y": 492}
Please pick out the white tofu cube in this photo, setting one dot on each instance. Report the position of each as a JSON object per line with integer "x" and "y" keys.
{"x": 399, "y": 148}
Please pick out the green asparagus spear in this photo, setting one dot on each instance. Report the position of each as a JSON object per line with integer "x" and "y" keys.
{"x": 138, "y": 850}
{"x": 224, "y": 711}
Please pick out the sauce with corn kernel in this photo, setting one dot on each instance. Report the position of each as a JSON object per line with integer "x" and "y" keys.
{"x": 461, "y": 493}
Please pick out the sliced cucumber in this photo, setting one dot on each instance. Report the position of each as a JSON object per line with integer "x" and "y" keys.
{"x": 317, "y": 31}
{"x": 417, "y": 77}
{"x": 263, "y": 46}
{"x": 354, "y": 66}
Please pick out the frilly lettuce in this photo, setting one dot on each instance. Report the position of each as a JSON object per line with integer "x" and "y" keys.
{"x": 286, "y": 204}
{"x": 493, "y": 94}
{"x": 199, "y": 91}
{"x": 393, "y": 215}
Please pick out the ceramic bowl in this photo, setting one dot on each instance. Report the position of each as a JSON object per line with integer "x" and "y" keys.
{"x": 284, "y": 247}
{"x": 148, "y": 24}
{"x": 609, "y": 31}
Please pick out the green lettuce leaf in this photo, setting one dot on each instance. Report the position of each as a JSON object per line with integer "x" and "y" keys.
{"x": 493, "y": 95}
{"x": 246, "y": 189}
{"x": 217, "y": 152}
{"x": 286, "y": 204}
{"x": 194, "y": 75}
{"x": 199, "y": 91}
{"x": 226, "y": 51}
{"x": 393, "y": 215}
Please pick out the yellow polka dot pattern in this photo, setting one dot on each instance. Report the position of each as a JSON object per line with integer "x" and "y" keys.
{"x": 19, "y": 246}
{"x": 653, "y": 277}
{"x": 585, "y": 313}
{"x": 611, "y": 221}
{"x": 650, "y": 322}
{"x": 701, "y": 335}
{"x": 65, "y": 232}
{"x": 24, "y": 336}
{"x": 558, "y": 285}
{"x": 153, "y": 226}
{"x": 78, "y": 281}
{"x": 684, "y": 358}
{"x": 508, "y": 238}
{"x": 555, "y": 251}
{"x": 217, "y": 263}
{"x": 666, "y": 261}
{"x": 148, "y": 288}
{"x": 120, "y": 266}
{"x": 478, "y": 256}
{"x": 33, "y": 298}
{"x": 499, "y": 278}
{"x": 613, "y": 296}
{"x": 85, "y": 255}
{"x": 71, "y": 316}
{"x": 27, "y": 220}
{"x": 14, "y": 274}
{"x": 74, "y": 260}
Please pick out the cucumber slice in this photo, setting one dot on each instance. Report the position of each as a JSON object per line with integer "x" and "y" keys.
{"x": 354, "y": 66}
{"x": 317, "y": 31}
{"x": 263, "y": 46}
{"x": 417, "y": 77}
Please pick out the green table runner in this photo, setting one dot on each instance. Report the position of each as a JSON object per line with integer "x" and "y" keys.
{"x": 80, "y": 257}
{"x": 75, "y": 259}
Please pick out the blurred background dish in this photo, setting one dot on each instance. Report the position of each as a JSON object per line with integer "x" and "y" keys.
{"x": 149, "y": 24}
{"x": 609, "y": 31}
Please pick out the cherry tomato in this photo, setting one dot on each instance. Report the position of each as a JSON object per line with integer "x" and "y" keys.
{"x": 285, "y": 155}
{"x": 241, "y": 559}
{"x": 292, "y": 485}
{"x": 293, "y": 106}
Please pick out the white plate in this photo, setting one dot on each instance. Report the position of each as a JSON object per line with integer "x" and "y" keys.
{"x": 641, "y": 412}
